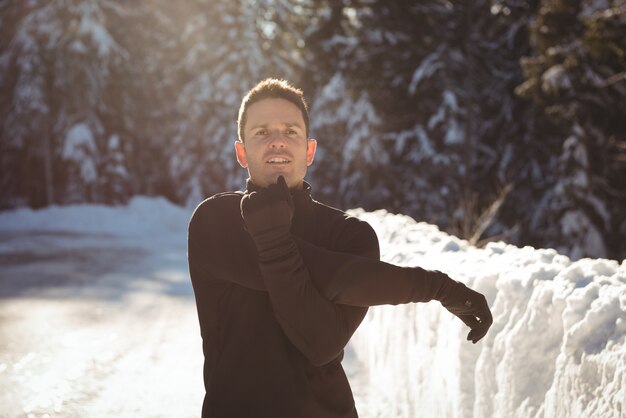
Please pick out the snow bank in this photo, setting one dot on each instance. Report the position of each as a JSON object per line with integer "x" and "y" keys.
{"x": 556, "y": 349}
{"x": 142, "y": 219}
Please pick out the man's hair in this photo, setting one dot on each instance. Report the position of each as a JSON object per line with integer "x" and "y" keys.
{"x": 272, "y": 88}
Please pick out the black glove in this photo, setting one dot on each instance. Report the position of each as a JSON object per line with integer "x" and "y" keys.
{"x": 267, "y": 214}
{"x": 470, "y": 306}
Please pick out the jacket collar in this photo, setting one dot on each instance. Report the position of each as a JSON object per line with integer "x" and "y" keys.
{"x": 302, "y": 201}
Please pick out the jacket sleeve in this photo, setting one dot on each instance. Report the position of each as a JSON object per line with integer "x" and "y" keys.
{"x": 318, "y": 327}
{"x": 360, "y": 281}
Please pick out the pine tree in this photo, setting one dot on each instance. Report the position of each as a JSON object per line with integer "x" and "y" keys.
{"x": 60, "y": 60}
{"x": 574, "y": 80}
{"x": 113, "y": 179}
{"x": 439, "y": 76}
{"x": 345, "y": 124}
{"x": 364, "y": 108}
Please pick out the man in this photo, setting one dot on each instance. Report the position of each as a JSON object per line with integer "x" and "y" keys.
{"x": 282, "y": 281}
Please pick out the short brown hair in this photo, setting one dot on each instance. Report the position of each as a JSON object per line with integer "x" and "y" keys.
{"x": 272, "y": 88}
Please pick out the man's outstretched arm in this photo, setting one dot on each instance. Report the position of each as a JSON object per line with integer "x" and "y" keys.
{"x": 358, "y": 281}
{"x": 346, "y": 278}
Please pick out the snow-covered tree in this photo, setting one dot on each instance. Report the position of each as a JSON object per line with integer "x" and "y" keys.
{"x": 26, "y": 138}
{"x": 419, "y": 107}
{"x": 440, "y": 77}
{"x": 576, "y": 79}
{"x": 350, "y": 161}
{"x": 60, "y": 61}
{"x": 572, "y": 217}
{"x": 113, "y": 179}
{"x": 80, "y": 155}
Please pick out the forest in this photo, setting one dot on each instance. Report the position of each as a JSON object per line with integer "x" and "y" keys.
{"x": 494, "y": 120}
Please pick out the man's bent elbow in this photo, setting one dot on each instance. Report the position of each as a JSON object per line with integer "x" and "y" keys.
{"x": 322, "y": 354}
{"x": 319, "y": 360}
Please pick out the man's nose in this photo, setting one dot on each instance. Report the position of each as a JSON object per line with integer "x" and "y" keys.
{"x": 277, "y": 140}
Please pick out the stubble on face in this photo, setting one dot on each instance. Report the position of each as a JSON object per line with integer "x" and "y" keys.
{"x": 275, "y": 143}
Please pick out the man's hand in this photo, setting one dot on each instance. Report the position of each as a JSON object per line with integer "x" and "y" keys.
{"x": 269, "y": 210}
{"x": 470, "y": 306}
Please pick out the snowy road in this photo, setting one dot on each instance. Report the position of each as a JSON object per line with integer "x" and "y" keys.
{"x": 93, "y": 326}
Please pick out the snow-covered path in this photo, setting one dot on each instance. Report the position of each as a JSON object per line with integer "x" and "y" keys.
{"x": 96, "y": 326}
{"x": 103, "y": 323}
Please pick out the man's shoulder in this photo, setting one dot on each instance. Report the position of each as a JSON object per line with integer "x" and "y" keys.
{"x": 344, "y": 226}
{"x": 348, "y": 233}
{"x": 219, "y": 205}
{"x": 219, "y": 200}
{"x": 337, "y": 215}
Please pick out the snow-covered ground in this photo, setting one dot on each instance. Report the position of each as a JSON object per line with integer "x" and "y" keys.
{"x": 97, "y": 319}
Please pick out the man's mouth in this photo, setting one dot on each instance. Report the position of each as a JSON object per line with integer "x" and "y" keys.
{"x": 278, "y": 160}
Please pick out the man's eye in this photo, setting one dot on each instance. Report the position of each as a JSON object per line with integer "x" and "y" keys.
{"x": 261, "y": 132}
{"x": 290, "y": 132}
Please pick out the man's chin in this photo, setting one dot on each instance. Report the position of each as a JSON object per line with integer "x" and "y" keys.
{"x": 290, "y": 182}
{"x": 273, "y": 179}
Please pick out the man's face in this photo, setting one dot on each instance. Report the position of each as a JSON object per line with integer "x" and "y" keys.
{"x": 275, "y": 143}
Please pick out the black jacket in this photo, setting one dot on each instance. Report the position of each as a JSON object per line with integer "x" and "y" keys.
{"x": 274, "y": 331}
{"x": 273, "y": 345}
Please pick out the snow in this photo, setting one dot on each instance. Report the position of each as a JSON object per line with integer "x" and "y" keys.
{"x": 428, "y": 67}
{"x": 576, "y": 224}
{"x": 557, "y": 347}
{"x": 92, "y": 26}
{"x": 143, "y": 220}
{"x": 80, "y": 147}
{"x": 555, "y": 80}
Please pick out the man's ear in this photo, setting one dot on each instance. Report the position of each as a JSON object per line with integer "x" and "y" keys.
{"x": 311, "y": 146}
{"x": 240, "y": 150}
